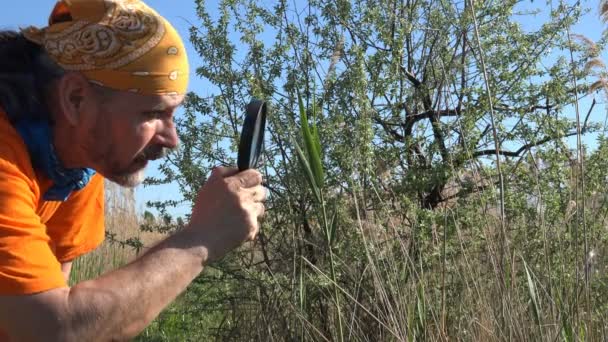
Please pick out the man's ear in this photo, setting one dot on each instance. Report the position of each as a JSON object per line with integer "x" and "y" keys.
{"x": 73, "y": 90}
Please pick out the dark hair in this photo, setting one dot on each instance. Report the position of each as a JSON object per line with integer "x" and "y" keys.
{"x": 26, "y": 72}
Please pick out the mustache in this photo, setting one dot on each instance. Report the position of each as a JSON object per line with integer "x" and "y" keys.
{"x": 154, "y": 152}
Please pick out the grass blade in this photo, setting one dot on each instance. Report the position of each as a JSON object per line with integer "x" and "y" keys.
{"x": 315, "y": 131}
{"x": 310, "y": 145}
{"x": 309, "y": 174}
{"x": 333, "y": 227}
{"x": 533, "y": 297}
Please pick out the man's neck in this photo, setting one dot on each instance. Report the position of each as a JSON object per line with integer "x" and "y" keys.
{"x": 65, "y": 138}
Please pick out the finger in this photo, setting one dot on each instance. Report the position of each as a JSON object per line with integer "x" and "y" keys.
{"x": 260, "y": 209}
{"x": 254, "y": 232}
{"x": 258, "y": 193}
{"x": 249, "y": 178}
{"x": 223, "y": 172}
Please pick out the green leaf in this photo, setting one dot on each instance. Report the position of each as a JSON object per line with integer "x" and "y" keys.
{"x": 310, "y": 145}
{"x": 581, "y": 333}
{"x": 333, "y": 227}
{"x": 315, "y": 131}
{"x": 533, "y": 295}
{"x": 567, "y": 331}
{"x": 309, "y": 175}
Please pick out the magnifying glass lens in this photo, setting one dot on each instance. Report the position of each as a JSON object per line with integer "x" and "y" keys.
{"x": 252, "y": 135}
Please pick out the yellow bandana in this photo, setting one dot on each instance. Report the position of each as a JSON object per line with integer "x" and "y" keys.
{"x": 120, "y": 44}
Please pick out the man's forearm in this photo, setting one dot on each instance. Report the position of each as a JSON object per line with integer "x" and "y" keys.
{"x": 121, "y": 303}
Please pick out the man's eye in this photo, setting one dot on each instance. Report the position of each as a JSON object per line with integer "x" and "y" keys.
{"x": 154, "y": 114}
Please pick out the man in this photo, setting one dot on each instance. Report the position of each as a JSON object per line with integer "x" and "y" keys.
{"x": 92, "y": 96}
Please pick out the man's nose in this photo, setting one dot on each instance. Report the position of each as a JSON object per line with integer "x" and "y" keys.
{"x": 166, "y": 135}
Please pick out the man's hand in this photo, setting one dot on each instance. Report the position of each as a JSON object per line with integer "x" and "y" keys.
{"x": 227, "y": 209}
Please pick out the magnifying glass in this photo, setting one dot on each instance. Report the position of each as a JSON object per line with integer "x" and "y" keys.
{"x": 252, "y": 135}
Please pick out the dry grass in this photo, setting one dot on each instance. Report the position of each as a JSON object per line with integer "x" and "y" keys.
{"x": 122, "y": 224}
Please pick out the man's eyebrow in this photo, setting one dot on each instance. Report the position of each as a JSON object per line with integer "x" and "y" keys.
{"x": 162, "y": 107}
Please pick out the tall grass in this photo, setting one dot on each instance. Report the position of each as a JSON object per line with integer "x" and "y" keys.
{"x": 311, "y": 161}
{"x": 392, "y": 272}
{"x": 122, "y": 236}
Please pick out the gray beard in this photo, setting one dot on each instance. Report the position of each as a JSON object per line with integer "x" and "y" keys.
{"x": 130, "y": 180}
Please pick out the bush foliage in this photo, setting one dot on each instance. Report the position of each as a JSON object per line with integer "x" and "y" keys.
{"x": 427, "y": 168}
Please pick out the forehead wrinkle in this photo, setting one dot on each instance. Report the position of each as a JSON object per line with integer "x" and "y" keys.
{"x": 162, "y": 105}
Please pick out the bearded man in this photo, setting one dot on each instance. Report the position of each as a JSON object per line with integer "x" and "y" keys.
{"x": 92, "y": 96}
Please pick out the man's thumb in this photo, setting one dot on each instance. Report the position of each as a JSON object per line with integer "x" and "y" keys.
{"x": 223, "y": 172}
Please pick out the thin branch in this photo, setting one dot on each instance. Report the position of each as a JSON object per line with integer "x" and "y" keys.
{"x": 588, "y": 114}
{"x": 393, "y": 132}
{"x": 529, "y": 109}
{"x": 432, "y": 113}
{"x": 522, "y": 149}
{"x": 410, "y": 77}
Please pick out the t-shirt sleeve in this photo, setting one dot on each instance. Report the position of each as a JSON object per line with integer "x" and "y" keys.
{"x": 77, "y": 227}
{"x": 27, "y": 262}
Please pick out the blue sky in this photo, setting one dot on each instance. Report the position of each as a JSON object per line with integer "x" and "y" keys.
{"x": 181, "y": 13}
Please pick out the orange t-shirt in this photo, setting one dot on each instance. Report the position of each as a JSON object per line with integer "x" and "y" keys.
{"x": 36, "y": 236}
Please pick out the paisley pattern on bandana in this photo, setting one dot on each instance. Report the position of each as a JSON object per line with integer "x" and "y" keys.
{"x": 120, "y": 44}
{"x": 125, "y": 34}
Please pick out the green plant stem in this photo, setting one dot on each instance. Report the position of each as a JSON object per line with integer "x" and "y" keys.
{"x": 579, "y": 192}
{"x": 332, "y": 268}
{"x": 503, "y": 237}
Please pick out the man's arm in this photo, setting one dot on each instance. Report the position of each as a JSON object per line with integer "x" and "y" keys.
{"x": 120, "y": 304}
{"x": 116, "y": 306}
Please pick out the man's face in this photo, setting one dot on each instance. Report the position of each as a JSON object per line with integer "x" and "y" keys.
{"x": 127, "y": 130}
